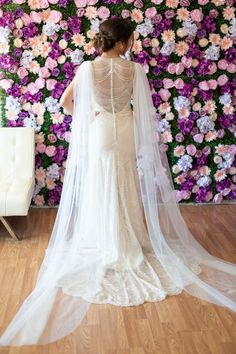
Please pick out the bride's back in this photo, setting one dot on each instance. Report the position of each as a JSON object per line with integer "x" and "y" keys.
{"x": 113, "y": 83}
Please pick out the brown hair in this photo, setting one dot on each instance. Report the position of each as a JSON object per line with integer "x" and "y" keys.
{"x": 112, "y": 31}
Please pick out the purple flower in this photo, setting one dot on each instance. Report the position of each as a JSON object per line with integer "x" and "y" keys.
{"x": 6, "y": 62}
{"x": 202, "y": 194}
{"x": 185, "y": 125}
{"x": 63, "y": 3}
{"x": 227, "y": 120}
{"x": 188, "y": 184}
{"x": 220, "y": 185}
{"x": 58, "y": 90}
{"x": 55, "y": 51}
{"x": 74, "y": 24}
{"x": 14, "y": 90}
{"x": 30, "y": 31}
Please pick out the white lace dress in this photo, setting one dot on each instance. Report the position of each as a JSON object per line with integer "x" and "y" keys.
{"x": 113, "y": 216}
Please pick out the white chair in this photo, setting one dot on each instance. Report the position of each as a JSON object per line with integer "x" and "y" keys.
{"x": 17, "y": 173}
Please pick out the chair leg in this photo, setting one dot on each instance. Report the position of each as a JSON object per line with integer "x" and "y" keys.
{"x": 9, "y": 229}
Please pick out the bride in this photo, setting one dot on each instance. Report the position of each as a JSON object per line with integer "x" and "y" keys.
{"x": 119, "y": 236}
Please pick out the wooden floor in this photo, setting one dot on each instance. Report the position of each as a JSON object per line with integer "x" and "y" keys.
{"x": 179, "y": 324}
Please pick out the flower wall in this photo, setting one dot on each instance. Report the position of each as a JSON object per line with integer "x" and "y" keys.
{"x": 187, "y": 48}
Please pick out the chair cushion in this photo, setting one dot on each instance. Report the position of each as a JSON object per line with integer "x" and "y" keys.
{"x": 15, "y": 196}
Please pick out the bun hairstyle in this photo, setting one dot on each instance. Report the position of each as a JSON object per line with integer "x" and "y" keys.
{"x": 111, "y": 31}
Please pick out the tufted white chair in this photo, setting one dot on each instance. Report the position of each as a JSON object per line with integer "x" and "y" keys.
{"x": 17, "y": 172}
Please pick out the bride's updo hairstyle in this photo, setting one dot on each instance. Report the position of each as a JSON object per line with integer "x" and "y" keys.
{"x": 112, "y": 31}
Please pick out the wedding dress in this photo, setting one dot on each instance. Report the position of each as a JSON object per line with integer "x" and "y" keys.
{"x": 100, "y": 250}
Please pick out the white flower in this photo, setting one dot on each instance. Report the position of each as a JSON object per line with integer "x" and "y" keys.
{"x": 205, "y": 124}
{"x": 181, "y": 102}
{"x": 53, "y": 171}
{"x": 232, "y": 28}
{"x": 95, "y": 25}
{"x": 185, "y": 162}
{"x": 145, "y": 28}
{"x": 77, "y": 56}
{"x": 4, "y": 33}
{"x": 50, "y": 28}
{"x": 26, "y": 58}
{"x": 52, "y": 105}
{"x": 13, "y": 104}
{"x": 190, "y": 28}
{"x": 212, "y": 53}
{"x": 225, "y": 99}
{"x": 168, "y": 48}
{"x": 229, "y": 159}
{"x": 31, "y": 122}
{"x": 162, "y": 125}
{"x": 204, "y": 181}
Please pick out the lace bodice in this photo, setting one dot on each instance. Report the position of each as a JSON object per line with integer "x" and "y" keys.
{"x": 113, "y": 84}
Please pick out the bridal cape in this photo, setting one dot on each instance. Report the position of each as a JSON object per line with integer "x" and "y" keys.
{"x": 85, "y": 237}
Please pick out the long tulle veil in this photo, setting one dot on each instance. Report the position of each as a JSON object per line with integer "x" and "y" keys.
{"x": 49, "y": 313}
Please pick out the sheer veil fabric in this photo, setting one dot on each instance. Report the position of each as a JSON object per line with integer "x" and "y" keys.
{"x": 75, "y": 259}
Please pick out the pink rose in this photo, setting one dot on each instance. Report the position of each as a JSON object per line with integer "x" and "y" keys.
{"x": 212, "y": 84}
{"x": 26, "y": 19}
{"x": 218, "y": 198}
{"x": 150, "y": 12}
{"x": 222, "y": 79}
{"x": 222, "y": 64}
{"x": 164, "y": 94}
{"x": 168, "y": 83}
{"x": 19, "y": 2}
{"x": 203, "y": 85}
{"x": 203, "y": 2}
{"x": 196, "y": 15}
{"x": 50, "y": 63}
{"x": 212, "y": 68}
{"x": 40, "y": 83}
{"x": 198, "y": 138}
{"x": 36, "y": 16}
{"x": 191, "y": 149}
{"x": 231, "y": 68}
{"x": 44, "y": 72}
{"x": 40, "y": 148}
{"x": 80, "y": 3}
{"x": 52, "y": 138}
{"x": 55, "y": 16}
{"x": 103, "y": 12}
{"x": 50, "y": 84}
{"x": 22, "y": 72}
{"x": 6, "y": 83}
{"x": 187, "y": 62}
{"x": 171, "y": 68}
{"x": 179, "y": 68}
{"x": 50, "y": 150}
{"x": 91, "y": 2}
{"x": 179, "y": 83}
{"x": 125, "y": 13}
{"x": 32, "y": 88}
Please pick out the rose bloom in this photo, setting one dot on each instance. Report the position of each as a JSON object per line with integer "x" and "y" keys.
{"x": 90, "y": 12}
{"x": 222, "y": 79}
{"x": 103, "y": 12}
{"x": 40, "y": 148}
{"x": 217, "y": 159}
{"x": 183, "y": 14}
{"x": 203, "y": 2}
{"x": 164, "y": 94}
{"x": 50, "y": 150}
{"x": 191, "y": 149}
{"x": 175, "y": 169}
{"x": 179, "y": 150}
{"x": 228, "y": 109}
{"x": 231, "y": 68}
{"x": 57, "y": 118}
{"x": 50, "y": 84}
{"x": 196, "y": 15}
{"x": 150, "y": 12}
